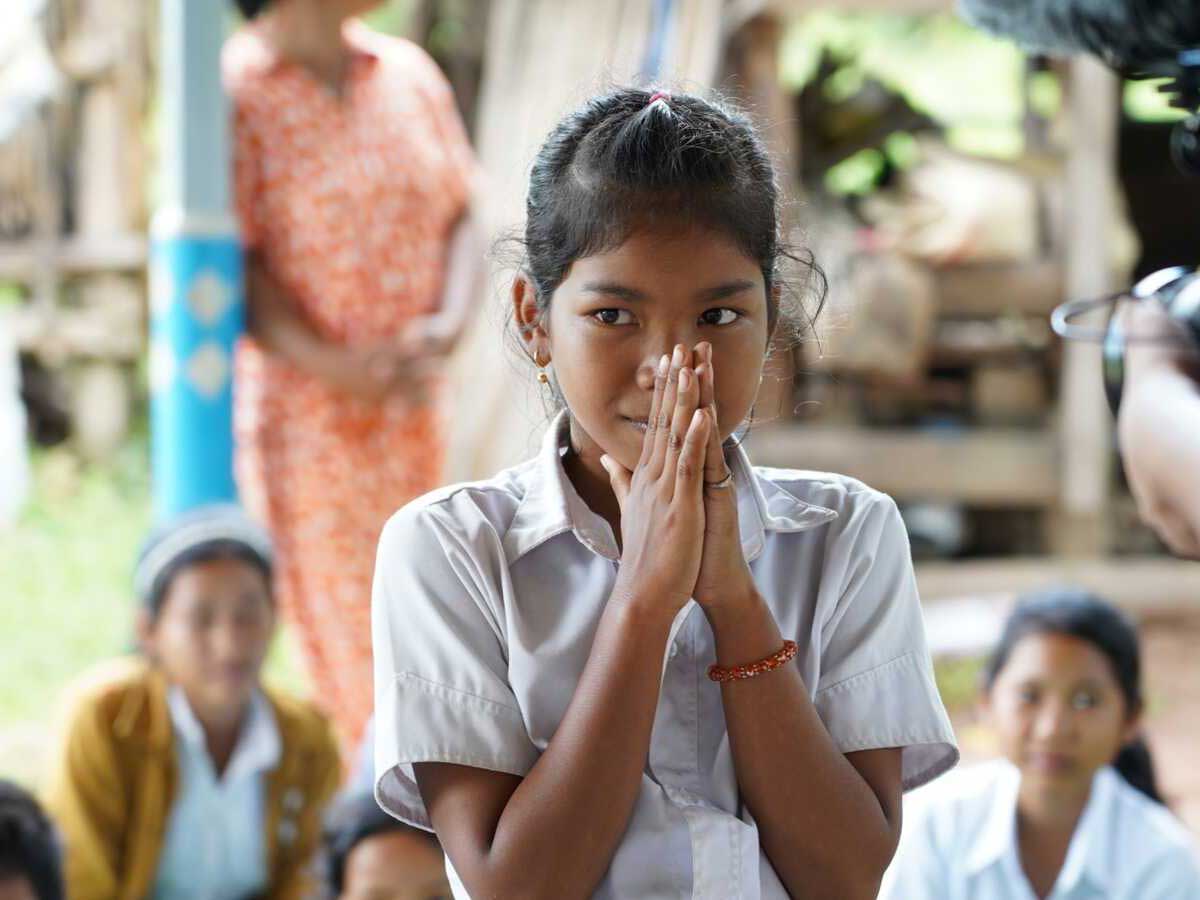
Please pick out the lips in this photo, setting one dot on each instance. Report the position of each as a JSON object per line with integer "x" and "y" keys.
{"x": 639, "y": 424}
{"x": 1049, "y": 762}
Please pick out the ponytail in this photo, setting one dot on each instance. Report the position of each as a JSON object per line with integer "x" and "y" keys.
{"x": 1134, "y": 764}
{"x": 251, "y": 8}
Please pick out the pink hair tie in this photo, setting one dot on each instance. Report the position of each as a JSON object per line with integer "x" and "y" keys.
{"x": 659, "y": 95}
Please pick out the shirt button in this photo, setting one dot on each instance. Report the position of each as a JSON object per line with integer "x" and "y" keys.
{"x": 674, "y": 651}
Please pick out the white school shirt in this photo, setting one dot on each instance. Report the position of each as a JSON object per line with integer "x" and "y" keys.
{"x": 960, "y": 843}
{"x": 486, "y": 601}
{"x": 214, "y": 847}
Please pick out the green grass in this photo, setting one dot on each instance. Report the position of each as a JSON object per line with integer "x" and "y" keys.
{"x": 958, "y": 682}
{"x": 65, "y": 596}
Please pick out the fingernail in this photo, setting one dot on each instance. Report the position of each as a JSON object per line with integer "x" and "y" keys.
{"x": 697, "y": 416}
{"x": 685, "y": 378}
{"x": 664, "y": 364}
{"x": 677, "y": 356}
{"x": 604, "y": 462}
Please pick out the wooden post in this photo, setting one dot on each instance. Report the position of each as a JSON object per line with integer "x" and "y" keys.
{"x": 1079, "y": 526}
{"x": 752, "y": 73}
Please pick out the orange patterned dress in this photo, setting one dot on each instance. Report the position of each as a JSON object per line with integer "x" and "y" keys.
{"x": 350, "y": 201}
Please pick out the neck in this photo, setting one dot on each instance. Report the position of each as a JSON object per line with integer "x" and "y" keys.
{"x": 221, "y": 732}
{"x": 308, "y": 33}
{"x": 1052, "y": 809}
{"x": 590, "y": 480}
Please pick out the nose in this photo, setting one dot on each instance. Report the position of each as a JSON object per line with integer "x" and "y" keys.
{"x": 660, "y": 346}
{"x": 1053, "y": 721}
{"x": 231, "y": 644}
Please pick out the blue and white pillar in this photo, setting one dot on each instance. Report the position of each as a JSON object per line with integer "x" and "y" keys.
{"x": 196, "y": 293}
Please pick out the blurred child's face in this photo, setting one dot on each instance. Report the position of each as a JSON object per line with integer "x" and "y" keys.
{"x": 1058, "y": 710}
{"x": 211, "y": 635}
{"x": 395, "y": 865}
{"x": 617, "y": 313}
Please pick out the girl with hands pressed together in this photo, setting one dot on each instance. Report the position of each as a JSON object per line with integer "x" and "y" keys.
{"x": 636, "y": 665}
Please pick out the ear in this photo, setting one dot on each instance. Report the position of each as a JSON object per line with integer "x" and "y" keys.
{"x": 143, "y": 629}
{"x": 531, "y": 325}
{"x": 1133, "y": 727}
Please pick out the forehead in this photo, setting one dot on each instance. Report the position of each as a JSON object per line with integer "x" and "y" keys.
{"x": 393, "y": 857}
{"x": 678, "y": 260}
{"x": 216, "y": 578}
{"x": 1057, "y": 657}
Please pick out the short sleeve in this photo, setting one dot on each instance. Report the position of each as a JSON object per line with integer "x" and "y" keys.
{"x": 247, "y": 179}
{"x": 461, "y": 167}
{"x": 441, "y": 687}
{"x": 876, "y": 687}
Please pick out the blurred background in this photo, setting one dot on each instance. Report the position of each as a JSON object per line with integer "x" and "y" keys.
{"x": 953, "y": 189}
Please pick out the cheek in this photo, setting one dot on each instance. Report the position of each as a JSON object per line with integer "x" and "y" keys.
{"x": 1009, "y": 720}
{"x": 589, "y": 369}
{"x": 737, "y": 377}
{"x": 182, "y": 647}
{"x": 1104, "y": 732}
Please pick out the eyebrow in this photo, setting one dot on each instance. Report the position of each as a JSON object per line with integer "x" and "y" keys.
{"x": 616, "y": 289}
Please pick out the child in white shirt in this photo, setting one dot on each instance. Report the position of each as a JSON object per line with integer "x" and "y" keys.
{"x": 637, "y": 666}
{"x": 1073, "y": 810}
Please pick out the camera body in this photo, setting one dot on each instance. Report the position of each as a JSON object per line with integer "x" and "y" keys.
{"x": 1177, "y": 291}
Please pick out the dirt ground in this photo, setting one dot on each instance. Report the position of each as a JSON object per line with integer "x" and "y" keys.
{"x": 1171, "y": 657}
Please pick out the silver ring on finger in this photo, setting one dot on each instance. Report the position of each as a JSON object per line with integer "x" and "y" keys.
{"x": 725, "y": 482}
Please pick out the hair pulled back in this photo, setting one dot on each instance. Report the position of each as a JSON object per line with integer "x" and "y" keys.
{"x": 251, "y": 8}
{"x": 1080, "y": 614}
{"x": 621, "y": 163}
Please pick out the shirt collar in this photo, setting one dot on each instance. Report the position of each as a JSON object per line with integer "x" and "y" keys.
{"x": 258, "y": 748}
{"x": 1090, "y": 852}
{"x": 551, "y": 505}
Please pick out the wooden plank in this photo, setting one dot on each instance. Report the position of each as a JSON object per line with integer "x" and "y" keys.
{"x": 1085, "y": 425}
{"x": 981, "y": 467}
{"x": 966, "y": 602}
{"x": 120, "y": 252}
{"x": 998, "y": 290}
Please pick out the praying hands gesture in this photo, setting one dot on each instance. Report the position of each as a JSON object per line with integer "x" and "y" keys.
{"x": 662, "y": 499}
{"x": 679, "y": 520}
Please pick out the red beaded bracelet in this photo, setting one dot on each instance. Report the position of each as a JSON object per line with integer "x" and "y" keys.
{"x": 749, "y": 670}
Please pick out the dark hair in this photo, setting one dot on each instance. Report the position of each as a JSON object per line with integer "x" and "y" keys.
{"x": 203, "y": 553}
{"x": 620, "y": 163}
{"x": 1128, "y": 34}
{"x": 28, "y": 844}
{"x": 351, "y": 819}
{"x": 1081, "y": 614}
{"x": 251, "y": 8}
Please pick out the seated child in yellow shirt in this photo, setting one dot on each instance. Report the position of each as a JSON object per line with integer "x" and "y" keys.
{"x": 179, "y": 774}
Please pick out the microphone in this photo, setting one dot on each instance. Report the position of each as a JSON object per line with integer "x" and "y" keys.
{"x": 1138, "y": 38}
{"x": 1130, "y": 35}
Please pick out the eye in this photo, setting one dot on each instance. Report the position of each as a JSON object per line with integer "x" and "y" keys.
{"x": 613, "y": 316}
{"x": 1084, "y": 700}
{"x": 721, "y": 315}
{"x": 1028, "y": 695}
